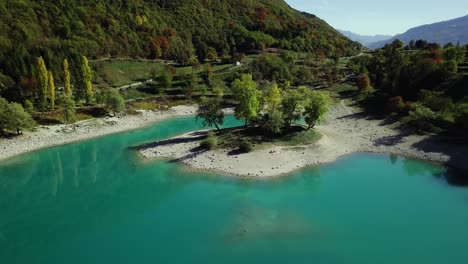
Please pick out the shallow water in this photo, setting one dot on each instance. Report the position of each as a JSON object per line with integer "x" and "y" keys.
{"x": 99, "y": 202}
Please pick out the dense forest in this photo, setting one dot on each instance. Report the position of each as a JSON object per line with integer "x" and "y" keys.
{"x": 423, "y": 84}
{"x": 187, "y": 31}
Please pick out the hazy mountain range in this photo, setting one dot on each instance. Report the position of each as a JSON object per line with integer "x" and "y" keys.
{"x": 364, "y": 39}
{"x": 455, "y": 31}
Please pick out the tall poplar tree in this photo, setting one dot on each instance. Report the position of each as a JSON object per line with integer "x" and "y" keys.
{"x": 66, "y": 78}
{"x": 87, "y": 76}
{"x": 51, "y": 87}
{"x": 42, "y": 76}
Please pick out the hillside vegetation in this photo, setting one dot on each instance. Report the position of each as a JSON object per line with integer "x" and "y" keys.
{"x": 423, "y": 84}
{"x": 186, "y": 31}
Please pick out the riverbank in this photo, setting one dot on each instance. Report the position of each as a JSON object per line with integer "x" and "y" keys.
{"x": 48, "y": 136}
{"x": 344, "y": 132}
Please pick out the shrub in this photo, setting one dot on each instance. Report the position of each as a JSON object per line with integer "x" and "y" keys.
{"x": 245, "y": 146}
{"x": 210, "y": 142}
{"x": 396, "y": 104}
{"x": 28, "y": 106}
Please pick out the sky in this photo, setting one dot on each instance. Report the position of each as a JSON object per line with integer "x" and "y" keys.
{"x": 370, "y": 17}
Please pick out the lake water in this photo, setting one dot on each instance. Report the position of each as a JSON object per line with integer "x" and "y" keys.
{"x": 99, "y": 202}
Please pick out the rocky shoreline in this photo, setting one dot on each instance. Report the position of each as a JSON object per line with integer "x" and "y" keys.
{"x": 48, "y": 136}
{"x": 345, "y": 132}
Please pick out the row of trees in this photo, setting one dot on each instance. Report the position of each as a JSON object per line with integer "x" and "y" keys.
{"x": 273, "y": 108}
{"x": 46, "y": 92}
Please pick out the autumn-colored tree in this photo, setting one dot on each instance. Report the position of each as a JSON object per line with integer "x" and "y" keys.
{"x": 363, "y": 83}
{"x": 42, "y": 76}
{"x": 160, "y": 46}
{"x": 87, "y": 76}
{"x": 396, "y": 104}
{"x": 66, "y": 78}
{"x": 51, "y": 88}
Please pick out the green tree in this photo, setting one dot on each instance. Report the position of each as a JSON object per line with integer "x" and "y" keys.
{"x": 316, "y": 108}
{"x": 165, "y": 80}
{"x": 208, "y": 74}
{"x": 212, "y": 54}
{"x": 66, "y": 78}
{"x": 69, "y": 108}
{"x": 28, "y": 106}
{"x": 246, "y": 94}
{"x": 211, "y": 111}
{"x": 87, "y": 76}
{"x": 42, "y": 76}
{"x": 3, "y": 115}
{"x": 273, "y": 98}
{"x": 114, "y": 101}
{"x": 292, "y": 104}
{"x": 19, "y": 119}
{"x": 14, "y": 118}
{"x": 51, "y": 89}
{"x": 274, "y": 121}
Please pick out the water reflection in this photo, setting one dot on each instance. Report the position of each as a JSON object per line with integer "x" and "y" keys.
{"x": 82, "y": 196}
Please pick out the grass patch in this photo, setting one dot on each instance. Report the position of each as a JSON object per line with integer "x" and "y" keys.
{"x": 211, "y": 142}
{"x": 118, "y": 73}
{"x": 254, "y": 137}
{"x": 307, "y": 137}
{"x": 133, "y": 93}
{"x": 81, "y": 117}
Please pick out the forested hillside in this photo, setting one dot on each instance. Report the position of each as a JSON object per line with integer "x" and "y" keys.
{"x": 423, "y": 84}
{"x": 183, "y": 30}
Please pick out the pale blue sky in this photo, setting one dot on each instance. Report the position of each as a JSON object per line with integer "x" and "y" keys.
{"x": 382, "y": 17}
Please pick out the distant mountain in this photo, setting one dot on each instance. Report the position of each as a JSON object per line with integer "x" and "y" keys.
{"x": 455, "y": 30}
{"x": 364, "y": 39}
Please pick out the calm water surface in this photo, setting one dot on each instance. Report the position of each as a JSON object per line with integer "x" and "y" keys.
{"x": 99, "y": 202}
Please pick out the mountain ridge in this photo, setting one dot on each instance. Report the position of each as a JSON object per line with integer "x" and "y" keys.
{"x": 453, "y": 30}
{"x": 365, "y": 40}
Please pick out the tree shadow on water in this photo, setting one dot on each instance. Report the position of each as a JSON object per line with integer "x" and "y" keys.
{"x": 192, "y": 137}
{"x": 456, "y": 173}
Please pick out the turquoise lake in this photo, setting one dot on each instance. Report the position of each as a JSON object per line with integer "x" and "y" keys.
{"x": 98, "y": 201}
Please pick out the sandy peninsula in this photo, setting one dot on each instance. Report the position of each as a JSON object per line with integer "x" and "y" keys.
{"x": 47, "y": 136}
{"x": 344, "y": 132}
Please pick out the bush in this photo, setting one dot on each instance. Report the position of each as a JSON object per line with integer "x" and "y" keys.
{"x": 210, "y": 142}
{"x": 245, "y": 146}
{"x": 396, "y": 104}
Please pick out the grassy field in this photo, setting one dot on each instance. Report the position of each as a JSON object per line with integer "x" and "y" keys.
{"x": 123, "y": 72}
{"x": 119, "y": 73}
